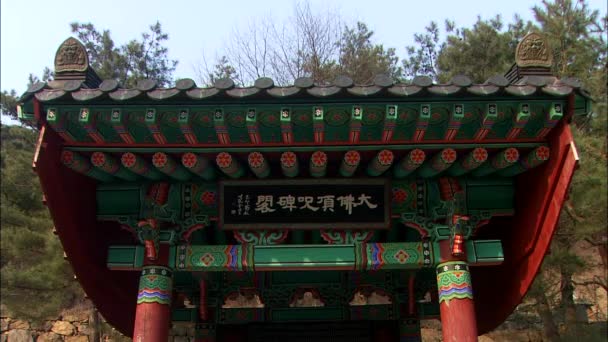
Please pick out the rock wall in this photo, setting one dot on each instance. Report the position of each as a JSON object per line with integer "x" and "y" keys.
{"x": 74, "y": 325}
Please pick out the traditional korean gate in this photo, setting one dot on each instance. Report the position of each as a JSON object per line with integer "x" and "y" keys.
{"x": 345, "y": 206}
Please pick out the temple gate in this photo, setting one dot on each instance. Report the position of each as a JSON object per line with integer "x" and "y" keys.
{"x": 359, "y": 210}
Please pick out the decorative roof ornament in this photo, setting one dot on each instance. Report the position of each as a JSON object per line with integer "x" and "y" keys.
{"x": 71, "y": 56}
{"x": 534, "y": 51}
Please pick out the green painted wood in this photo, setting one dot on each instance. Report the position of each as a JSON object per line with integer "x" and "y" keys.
{"x": 115, "y": 202}
{"x": 198, "y": 165}
{"x": 409, "y": 163}
{"x": 82, "y": 165}
{"x": 125, "y": 257}
{"x": 484, "y": 252}
{"x": 399, "y": 147}
{"x": 501, "y": 160}
{"x": 533, "y": 159}
{"x": 283, "y": 257}
{"x": 165, "y": 164}
{"x": 380, "y": 163}
{"x": 470, "y": 162}
{"x": 110, "y": 165}
{"x": 438, "y": 163}
{"x": 493, "y": 193}
{"x": 140, "y": 166}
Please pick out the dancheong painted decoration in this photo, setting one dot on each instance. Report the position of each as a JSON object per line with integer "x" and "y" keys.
{"x": 357, "y": 210}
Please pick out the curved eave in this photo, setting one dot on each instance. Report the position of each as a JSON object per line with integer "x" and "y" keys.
{"x": 540, "y": 195}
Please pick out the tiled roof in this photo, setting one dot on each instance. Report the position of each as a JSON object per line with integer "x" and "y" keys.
{"x": 341, "y": 87}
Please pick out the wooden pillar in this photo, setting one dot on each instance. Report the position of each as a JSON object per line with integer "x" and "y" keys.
{"x": 456, "y": 304}
{"x": 153, "y": 312}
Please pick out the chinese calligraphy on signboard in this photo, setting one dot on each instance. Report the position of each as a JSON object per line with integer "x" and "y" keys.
{"x": 304, "y": 204}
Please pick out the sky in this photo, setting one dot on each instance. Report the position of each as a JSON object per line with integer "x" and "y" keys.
{"x": 32, "y": 30}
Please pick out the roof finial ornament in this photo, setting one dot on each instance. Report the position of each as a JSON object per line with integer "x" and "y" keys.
{"x": 71, "y": 56}
{"x": 534, "y": 51}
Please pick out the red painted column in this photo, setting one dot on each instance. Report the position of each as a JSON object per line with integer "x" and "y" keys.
{"x": 153, "y": 312}
{"x": 455, "y": 298}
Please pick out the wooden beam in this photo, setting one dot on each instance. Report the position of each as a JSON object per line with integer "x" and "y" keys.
{"x": 220, "y": 127}
{"x": 117, "y": 121}
{"x": 533, "y": 159}
{"x": 140, "y": 166}
{"x": 355, "y": 257}
{"x": 355, "y": 124}
{"x": 318, "y": 164}
{"x": 87, "y": 121}
{"x": 151, "y": 121}
{"x": 503, "y": 159}
{"x": 80, "y": 164}
{"x": 350, "y": 162}
{"x": 57, "y": 121}
{"x": 440, "y": 162}
{"x": 110, "y": 165}
{"x": 198, "y": 165}
{"x": 252, "y": 127}
{"x": 488, "y": 121}
{"x": 555, "y": 114}
{"x": 455, "y": 121}
{"x": 289, "y": 164}
{"x": 423, "y": 122}
{"x": 390, "y": 122}
{"x": 229, "y": 165}
{"x": 519, "y": 122}
{"x": 472, "y": 161}
{"x": 186, "y": 127}
{"x": 381, "y": 162}
{"x": 318, "y": 124}
{"x": 258, "y": 164}
{"x": 165, "y": 164}
{"x": 286, "y": 126}
{"x": 409, "y": 163}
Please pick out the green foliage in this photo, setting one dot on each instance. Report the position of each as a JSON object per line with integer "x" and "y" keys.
{"x": 361, "y": 59}
{"x": 8, "y": 103}
{"x": 575, "y": 34}
{"x": 36, "y": 281}
{"x": 422, "y": 58}
{"x": 146, "y": 58}
{"x": 484, "y": 43}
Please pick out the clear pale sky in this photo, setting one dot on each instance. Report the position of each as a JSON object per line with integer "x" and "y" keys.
{"x": 31, "y": 30}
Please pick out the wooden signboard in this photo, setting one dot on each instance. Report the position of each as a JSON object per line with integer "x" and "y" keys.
{"x": 305, "y": 204}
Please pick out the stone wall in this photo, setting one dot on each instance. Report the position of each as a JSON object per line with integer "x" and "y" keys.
{"x": 68, "y": 328}
{"x": 73, "y": 325}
